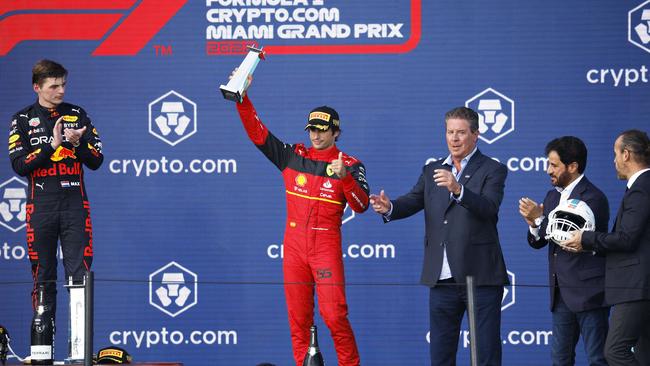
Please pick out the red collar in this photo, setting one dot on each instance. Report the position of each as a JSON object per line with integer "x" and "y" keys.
{"x": 328, "y": 154}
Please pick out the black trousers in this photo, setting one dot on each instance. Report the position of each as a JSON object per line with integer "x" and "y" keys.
{"x": 52, "y": 218}
{"x": 629, "y": 326}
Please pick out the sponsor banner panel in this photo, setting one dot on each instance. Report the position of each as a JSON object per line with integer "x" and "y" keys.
{"x": 188, "y": 216}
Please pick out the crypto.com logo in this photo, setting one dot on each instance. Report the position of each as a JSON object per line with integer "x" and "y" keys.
{"x": 173, "y": 289}
{"x": 172, "y": 118}
{"x": 508, "y": 298}
{"x": 638, "y": 26}
{"x": 12, "y": 206}
{"x": 125, "y": 26}
{"x": 496, "y": 114}
{"x": 348, "y": 214}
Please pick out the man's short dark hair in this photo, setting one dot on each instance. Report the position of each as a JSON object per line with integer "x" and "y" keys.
{"x": 44, "y": 69}
{"x": 638, "y": 144}
{"x": 465, "y": 113}
{"x": 570, "y": 149}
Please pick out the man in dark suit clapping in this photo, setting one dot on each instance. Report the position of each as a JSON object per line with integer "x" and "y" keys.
{"x": 577, "y": 280}
{"x": 460, "y": 196}
{"x": 627, "y": 250}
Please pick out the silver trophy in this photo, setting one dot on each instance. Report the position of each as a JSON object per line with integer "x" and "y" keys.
{"x": 237, "y": 85}
{"x": 76, "y": 326}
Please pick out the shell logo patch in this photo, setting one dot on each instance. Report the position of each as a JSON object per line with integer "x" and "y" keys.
{"x": 301, "y": 180}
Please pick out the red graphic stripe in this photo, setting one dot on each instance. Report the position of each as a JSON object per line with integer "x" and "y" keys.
{"x": 34, "y": 289}
{"x": 24, "y": 27}
{"x": 81, "y": 180}
{"x": 18, "y": 5}
{"x": 409, "y": 45}
{"x": 139, "y": 27}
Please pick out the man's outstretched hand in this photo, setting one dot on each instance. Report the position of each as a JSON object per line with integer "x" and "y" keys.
{"x": 380, "y": 203}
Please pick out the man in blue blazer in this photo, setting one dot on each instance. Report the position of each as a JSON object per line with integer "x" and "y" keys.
{"x": 627, "y": 255}
{"x": 460, "y": 196}
{"x": 577, "y": 280}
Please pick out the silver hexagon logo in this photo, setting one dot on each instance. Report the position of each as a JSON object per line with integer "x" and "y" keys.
{"x": 13, "y": 203}
{"x": 172, "y": 118}
{"x": 173, "y": 289}
{"x": 509, "y": 292}
{"x": 638, "y": 26}
{"x": 348, "y": 214}
{"x": 496, "y": 114}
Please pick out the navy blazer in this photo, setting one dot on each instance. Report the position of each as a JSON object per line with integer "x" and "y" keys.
{"x": 468, "y": 230}
{"x": 627, "y": 247}
{"x": 580, "y": 276}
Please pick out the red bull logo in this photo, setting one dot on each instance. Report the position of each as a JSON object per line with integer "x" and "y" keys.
{"x": 93, "y": 150}
{"x": 32, "y": 156}
{"x": 58, "y": 169}
{"x": 63, "y": 153}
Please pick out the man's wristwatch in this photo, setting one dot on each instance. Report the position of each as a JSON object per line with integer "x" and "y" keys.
{"x": 538, "y": 221}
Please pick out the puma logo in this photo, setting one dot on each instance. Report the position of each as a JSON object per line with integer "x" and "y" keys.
{"x": 75, "y": 110}
{"x": 40, "y": 185}
{"x": 23, "y": 115}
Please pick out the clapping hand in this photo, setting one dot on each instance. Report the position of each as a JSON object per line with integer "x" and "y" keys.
{"x": 74, "y": 136}
{"x": 530, "y": 210}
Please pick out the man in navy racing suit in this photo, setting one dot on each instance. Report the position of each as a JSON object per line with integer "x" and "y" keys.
{"x": 49, "y": 142}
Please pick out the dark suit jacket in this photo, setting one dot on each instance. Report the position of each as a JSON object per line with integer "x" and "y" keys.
{"x": 580, "y": 276}
{"x": 627, "y": 247}
{"x": 468, "y": 230}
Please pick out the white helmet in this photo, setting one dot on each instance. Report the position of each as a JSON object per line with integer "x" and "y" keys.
{"x": 569, "y": 216}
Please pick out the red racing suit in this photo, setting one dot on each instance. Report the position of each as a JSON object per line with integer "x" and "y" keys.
{"x": 57, "y": 206}
{"x": 316, "y": 198}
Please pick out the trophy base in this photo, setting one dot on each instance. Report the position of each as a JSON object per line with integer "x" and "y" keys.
{"x": 235, "y": 96}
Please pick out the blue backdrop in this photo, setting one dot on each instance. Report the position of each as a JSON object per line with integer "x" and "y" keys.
{"x": 188, "y": 221}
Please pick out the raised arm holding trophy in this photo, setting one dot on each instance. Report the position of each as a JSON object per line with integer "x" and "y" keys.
{"x": 241, "y": 78}
{"x": 319, "y": 181}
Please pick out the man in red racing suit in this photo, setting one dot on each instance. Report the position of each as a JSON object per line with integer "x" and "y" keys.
{"x": 49, "y": 141}
{"x": 319, "y": 181}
